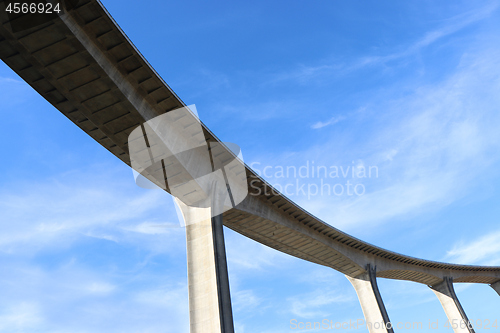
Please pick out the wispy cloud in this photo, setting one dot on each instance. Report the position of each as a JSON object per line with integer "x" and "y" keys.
{"x": 245, "y": 255}
{"x": 152, "y": 228}
{"x": 331, "y": 121}
{"x": 13, "y": 91}
{"x": 314, "y": 304}
{"x": 50, "y": 285}
{"x": 9, "y": 80}
{"x": 305, "y": 73}
{"x": 57, "y": 213}
{"x": 76, "y": 298}
{"x": 21, "y": 317}
{"x": 431, "y": 156}
{"x": 100, "y": 288}
{"x": 430, "y": 147}
{"x": 453, "y": 25}
{"x": 484, "y": 250}
{"x": 245, "y": 300}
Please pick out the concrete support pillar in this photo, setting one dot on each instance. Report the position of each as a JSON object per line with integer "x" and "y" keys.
{"x": 496, "y": 287}
{"x": 376, "y": 317}
{"x": 456, "y": 315}
{"x": 208, "y": 283}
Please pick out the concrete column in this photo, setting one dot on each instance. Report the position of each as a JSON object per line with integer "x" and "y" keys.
{"x": 496, "y": 286}
{"x": 208, "y": 284}
{"x": 376, "y": 317}
{"x": 456, "y": 315}
{"x": 226, "y": 315}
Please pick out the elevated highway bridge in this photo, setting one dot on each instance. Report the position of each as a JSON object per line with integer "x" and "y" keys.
{"x": 84, "y": 65}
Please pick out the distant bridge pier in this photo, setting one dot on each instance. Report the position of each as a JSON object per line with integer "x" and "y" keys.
{"x": 376, "y": 317}
{"x": 208, "y": 281}
{"x": 451, "y": 305}
{"x": 496, "y": 287}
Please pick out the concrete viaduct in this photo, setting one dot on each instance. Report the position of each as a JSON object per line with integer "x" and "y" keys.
{"x": 84, "y": 65}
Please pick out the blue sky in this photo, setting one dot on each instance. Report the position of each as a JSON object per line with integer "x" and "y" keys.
{"x": 408, "y": 87}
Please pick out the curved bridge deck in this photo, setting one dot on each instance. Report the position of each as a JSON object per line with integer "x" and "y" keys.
{"x": 57, "y": 63}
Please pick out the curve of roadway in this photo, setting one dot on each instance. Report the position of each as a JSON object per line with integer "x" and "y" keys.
{"x": 87, "y": 68}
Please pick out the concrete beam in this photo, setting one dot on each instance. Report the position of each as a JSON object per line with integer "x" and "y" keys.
{"x": 208, "y": 283}
{"x": 456, "y": 315}
{"x": 376, "y": 317}
{"x": 496, "y": 287}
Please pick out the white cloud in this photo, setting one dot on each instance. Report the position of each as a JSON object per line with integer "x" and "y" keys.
{"x": 314, "y": 304}
{"x": 245, "y": 255}
{"x": 9, "y": 80}
{"x": 153, "y": 228}
{"x": 58, "y": 212}
{"x": 320, "y": 275}
{"x": 77, "y": 297}
{"x": 245, "y": 300}
{"x": 484, "y": 250}
{"x": 21, "y": 317}
{"x": 305, "y": 73}
{"x": 331, "y": 121}
{"x": 453, "y": 25}
{"x": 164, "y": 296}
{"x": 430, "y": 147}
{"x": 13, "y": 91}
{"x": 101, "y": 288}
